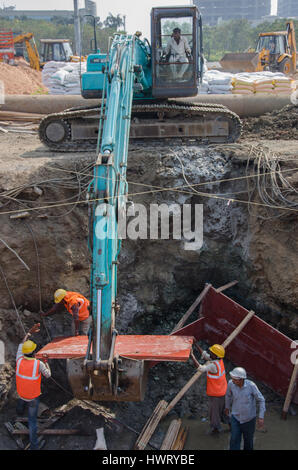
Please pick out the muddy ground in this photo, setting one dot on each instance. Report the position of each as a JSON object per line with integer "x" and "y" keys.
{"x": 255, "y": 244}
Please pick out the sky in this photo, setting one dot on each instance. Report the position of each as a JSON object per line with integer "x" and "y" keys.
{"x": 137, "y": 12}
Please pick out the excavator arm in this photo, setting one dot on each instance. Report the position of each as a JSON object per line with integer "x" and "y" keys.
{"x": 292, "y": 44}
{"x": 32, "y": 50}
{"x": 109, "y": 188}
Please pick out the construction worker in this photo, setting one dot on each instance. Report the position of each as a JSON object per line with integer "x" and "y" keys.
{"x": 241, "y": 398}
{"x": 216, "y": 386}
{"x": 28, "y": 382}
{"x": 178, "y": 50}
{"x": 77, "y": 305}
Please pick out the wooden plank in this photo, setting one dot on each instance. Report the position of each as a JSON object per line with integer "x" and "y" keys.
{"x": 150, "y": 426}
{"x": 226, "y": 286}
{"x": 171, "y": 435}
{"x": 181, "y": 323}
{"x": 18, "y": 116}
{"x": 237, "y": 330}
{"x": 10, "y": 428}
{"x": 198, "y": 374}
{"x": 48, "y": 432}
{"x": 290, "y": 391}
{"x": 181, "y": 438}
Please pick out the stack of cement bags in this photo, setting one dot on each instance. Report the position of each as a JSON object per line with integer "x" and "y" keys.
{"x": 217, "y": 82}
{"x": 61, "y": 78}
{"x": 262, "y": 82}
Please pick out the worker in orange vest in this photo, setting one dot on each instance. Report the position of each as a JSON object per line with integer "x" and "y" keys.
{"x": 28, "y": 382}
{"x": 77, "y": 305}
{"x": 216, "y": 386}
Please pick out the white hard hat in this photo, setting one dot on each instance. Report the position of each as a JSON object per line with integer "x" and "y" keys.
{"x": 238, "y": 373}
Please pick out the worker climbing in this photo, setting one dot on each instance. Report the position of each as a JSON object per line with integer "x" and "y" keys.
{"x": 216, "y": 386}
{"x": 77, "y": 305}
{"x": 28, "y": 382}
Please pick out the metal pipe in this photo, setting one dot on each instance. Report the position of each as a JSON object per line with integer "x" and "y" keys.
{"x": 98, "y": 325}
{"x": 243, "y": 105}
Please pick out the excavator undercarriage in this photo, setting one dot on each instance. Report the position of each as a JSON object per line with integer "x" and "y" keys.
{"x": 77, "y": 129}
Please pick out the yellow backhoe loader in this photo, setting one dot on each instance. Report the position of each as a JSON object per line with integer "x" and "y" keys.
{"x": 52, "y": 49}
{"x": 275, "y": 51}
{"x": 31, "y": 47}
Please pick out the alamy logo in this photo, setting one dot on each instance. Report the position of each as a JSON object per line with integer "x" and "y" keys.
{"x": 2, "y": 353}
{"x": 164, "y": 222}
{"x": 294, "y": 355}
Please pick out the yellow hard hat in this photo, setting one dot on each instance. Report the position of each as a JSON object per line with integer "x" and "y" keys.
{"x": 59, "y": 295}
{"x": 28, "y": 347}
{"x": 218, "y": 350}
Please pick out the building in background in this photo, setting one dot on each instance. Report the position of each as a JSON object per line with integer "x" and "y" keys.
{"x": 47, "y": 15}
{"x": 215, "y": 11}
{"x": 287, "y": 8}
{"x": 90, "y": 9}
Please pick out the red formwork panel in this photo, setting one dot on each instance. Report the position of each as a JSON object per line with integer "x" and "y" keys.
{"x": 6, "y": 45}
{"x": 261, "y": 349}
{"x": 147, "y": 347}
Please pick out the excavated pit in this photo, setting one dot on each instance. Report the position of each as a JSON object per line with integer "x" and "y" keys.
{"x": 158, "y": 279}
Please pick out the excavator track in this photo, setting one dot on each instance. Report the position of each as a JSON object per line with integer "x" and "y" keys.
{"x": 76, "y": 129}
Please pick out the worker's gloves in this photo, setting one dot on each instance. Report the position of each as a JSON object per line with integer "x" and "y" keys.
{"x": 205, "y": 356}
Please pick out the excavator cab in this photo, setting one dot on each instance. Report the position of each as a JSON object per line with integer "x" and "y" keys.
{"x": 56, "y": 49}
{"x": 177, "y": 59}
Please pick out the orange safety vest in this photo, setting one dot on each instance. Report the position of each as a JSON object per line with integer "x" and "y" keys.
{"x": 217, "y": 383}
{"x": 73, "y": 298}
{"x": 28, "y": 378}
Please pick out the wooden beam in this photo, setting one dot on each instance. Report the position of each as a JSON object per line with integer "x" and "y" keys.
{"x": 181, "y": 323}
{"x": 181, "y": 438}
{"x": 171, "y": 435}
{"x": 48, "y": 432}
{"x": 238, "y": 329}
{"x": 290, "y": 391}
{"x": 150, "y": 426}
{"x": 198, "y": 374}
{"x": 226, "y": 286}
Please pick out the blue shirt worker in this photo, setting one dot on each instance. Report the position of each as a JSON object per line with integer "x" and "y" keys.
{"x": 241, "y": 402}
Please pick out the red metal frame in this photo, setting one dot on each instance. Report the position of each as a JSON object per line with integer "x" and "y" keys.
{"x": 147, "y": 347}
{"x": 262, "y": 350}
{"x": 6, "y": 45}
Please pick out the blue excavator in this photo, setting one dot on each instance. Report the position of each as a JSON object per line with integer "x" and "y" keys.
{"x": 105, "y": 365}
{"x": 159, "y": 84}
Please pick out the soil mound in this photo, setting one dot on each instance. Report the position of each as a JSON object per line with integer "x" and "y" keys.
{"x": 21, "y": 79}
{"x": 280, "y": 124}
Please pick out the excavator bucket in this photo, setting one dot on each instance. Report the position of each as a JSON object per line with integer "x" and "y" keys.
{"x": 240, "y": 62}
{"x": 126, "y": 378}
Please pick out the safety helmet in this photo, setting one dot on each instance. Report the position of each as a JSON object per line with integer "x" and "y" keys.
{"x": 59, "y": 295}
{"x": 238, "y": 373}
{"x": 218, "y": 350}
{"x": 28, "y": 347}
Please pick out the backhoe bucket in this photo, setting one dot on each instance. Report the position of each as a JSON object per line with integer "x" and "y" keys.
{"x": 240, "y": 62}
{"x": 102, "y": 385}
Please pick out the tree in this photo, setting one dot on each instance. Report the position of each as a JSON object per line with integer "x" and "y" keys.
{"x": 114, "y": 22}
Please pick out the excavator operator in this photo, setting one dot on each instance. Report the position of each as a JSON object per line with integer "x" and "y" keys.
{"x": 77, "y": 305}
{"x": 178, "y": 50}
